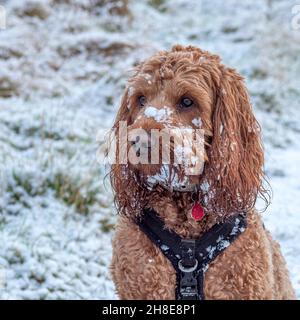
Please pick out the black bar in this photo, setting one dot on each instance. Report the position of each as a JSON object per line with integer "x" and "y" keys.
{"x": 96, "y": 310}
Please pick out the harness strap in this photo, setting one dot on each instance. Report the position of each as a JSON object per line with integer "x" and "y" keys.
{"x": 190, "y": 258}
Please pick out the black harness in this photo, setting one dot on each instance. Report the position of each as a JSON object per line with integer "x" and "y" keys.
{"x": 191, "y": 258}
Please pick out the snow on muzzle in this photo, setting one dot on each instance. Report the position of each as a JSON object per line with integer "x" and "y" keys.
{"x": 176, "y": 146}
{"x": 182, "y": 147}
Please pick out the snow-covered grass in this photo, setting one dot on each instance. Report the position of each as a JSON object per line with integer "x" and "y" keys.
{"x": 63, "y": 66}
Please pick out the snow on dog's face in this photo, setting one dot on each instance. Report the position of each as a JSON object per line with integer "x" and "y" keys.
{"x": 187, "y": 95}
{"x": 169, "y": 112}
{"x": 166, "y": 131}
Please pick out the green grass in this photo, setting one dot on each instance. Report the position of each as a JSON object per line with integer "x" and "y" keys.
{"x": 159, "y": 5}
{"x": 72, "y": 191}
{"x": 106, "y": 225}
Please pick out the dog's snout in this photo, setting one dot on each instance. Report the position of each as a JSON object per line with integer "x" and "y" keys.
{"x": 142, "y": 142}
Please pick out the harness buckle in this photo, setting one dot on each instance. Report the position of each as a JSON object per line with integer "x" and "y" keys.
{"x": 188, "y": 265}
{"x": 187, "y": 247}
{"x": 188, "y": 289}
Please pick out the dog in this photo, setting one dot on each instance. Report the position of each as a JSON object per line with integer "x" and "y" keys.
{"x": 187, "y": 87}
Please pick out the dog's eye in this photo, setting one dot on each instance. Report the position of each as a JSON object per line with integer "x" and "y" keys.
{"x": 142, "y": 100}
{"x": 186, "y": 103}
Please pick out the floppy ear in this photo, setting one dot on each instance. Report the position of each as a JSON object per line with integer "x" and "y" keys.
{"x": 123, "y": 181}
{"x": 235, "y": 168}
{"x": 123, "y": 113}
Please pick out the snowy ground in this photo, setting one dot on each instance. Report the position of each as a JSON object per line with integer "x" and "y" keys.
{"x": 63, "y": 65}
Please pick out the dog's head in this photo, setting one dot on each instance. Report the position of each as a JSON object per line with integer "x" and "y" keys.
{"x": 190, "y": 128}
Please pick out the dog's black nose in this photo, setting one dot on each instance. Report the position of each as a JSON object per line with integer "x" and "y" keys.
{"x": 143, "y": 142}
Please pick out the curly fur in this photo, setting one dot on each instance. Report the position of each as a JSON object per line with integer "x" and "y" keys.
{"x": 252, "y": 267}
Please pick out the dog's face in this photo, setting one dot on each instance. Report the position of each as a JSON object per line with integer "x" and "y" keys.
{"x": 187, "y": 95}
{"x": 170, "y": 110}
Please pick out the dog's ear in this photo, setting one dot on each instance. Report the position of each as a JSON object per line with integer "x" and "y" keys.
{"x": 235, "y": 168}
{"x": 123, "y": 182}
{"x": 123, "y": 113}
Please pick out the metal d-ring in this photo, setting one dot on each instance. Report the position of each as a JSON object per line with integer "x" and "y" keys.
{"x": 187, "y": 269}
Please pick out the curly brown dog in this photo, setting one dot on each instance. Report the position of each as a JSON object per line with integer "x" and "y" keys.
{"x": 189, "y": 88}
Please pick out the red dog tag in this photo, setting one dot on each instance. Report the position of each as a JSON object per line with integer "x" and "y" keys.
{"x": 197, "y": 212}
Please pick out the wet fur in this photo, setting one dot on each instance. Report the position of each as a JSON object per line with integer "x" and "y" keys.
{"x": 253, "y": 266}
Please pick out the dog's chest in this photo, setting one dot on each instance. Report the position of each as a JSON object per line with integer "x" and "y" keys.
{"x": 148, "y": 274}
